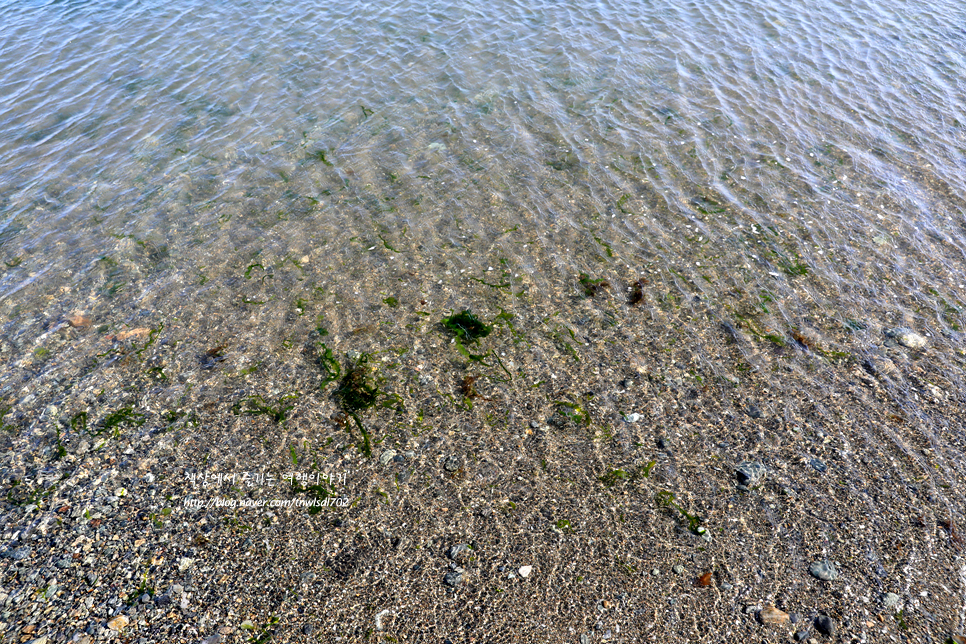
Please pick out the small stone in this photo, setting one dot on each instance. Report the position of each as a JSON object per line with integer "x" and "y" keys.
{"x": 453, "y": 579}
{"x": 823, "y": 570}
{"x": 824, "y": 625}
{"x": 19, "y": 554}
{"x": 139, "y": 333}
{"x": 534, "y": 424}
{"x": 906, "y": 337}
{"x": 800, "y": 636}
{"x": 749, "y": 472}
{"x": 771, "y": 615}
{"x": 655, "y": 572}
{"x": 525, "y": 571}
{"x": 663, "y": 443}
{"x": 632, "y": 418}
{"x": 752, "y": 410}
{"x": 39, "y": 640}
{"x": 818, "y": 465}
{"x": 80, "y": 321}
{"x": 452, "y": 463}
{"x": 118, "y": 623}
{"x": 386, "y": 456}
{"x": 455, "y": 551}
{"x": 678, "y": 569}
{"x": 163, "y": 600}
{"x": 890, "y": 600}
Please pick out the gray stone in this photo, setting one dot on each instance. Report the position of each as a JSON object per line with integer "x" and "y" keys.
{"x": 678, "y": 569}
{"x": 632, "y": 418}
{"x": 750, "y": 472}
{"x": 801, "y": 636}
{"x": 19, "y": 554}
{"x": 823, "y": 570}
{"x": 163, "y": 600}
{"x": 452, "y": 463}
{"x": 824, "y": 625}
{"x": 906, "y": 337}
{"x": 386, "y": 456}
{"x": 818, "y": 465}
{"x": 455, "y": 551}
{"x": 453, "y": 579}
{"x": 890, "y": 600}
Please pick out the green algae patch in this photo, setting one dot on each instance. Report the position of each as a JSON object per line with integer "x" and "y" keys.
{"x": 466, "y": 326}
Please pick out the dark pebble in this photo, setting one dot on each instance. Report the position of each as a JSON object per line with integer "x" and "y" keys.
{"x": 818, "y": 465}
{"x": 662, "y": 443}
{"x": 793, "y": 618}
{"x": 752, "y": 410}
{"x": 801, "y": 636}
{"x": 825, "y": 625}
{"x": 163, "y": 600}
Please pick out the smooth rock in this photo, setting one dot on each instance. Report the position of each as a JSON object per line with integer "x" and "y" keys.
{"x": 633, "y": 418}
{"x": 823, "y": 570}
{"x": 525, "y": 571}
{"x": 80, "y": 321}
{"x": 824, "y": 625}
{"x": 453, "y": 579}
{"x": 890, "y": 600}
{"x": 452, "y": 463}
{"x": 906, "y": 337}
{"x": 749, "y": 472}
{"x": 455, "y": 551}
{"x": 818, "y": 465}
{"x": 771, "y": 615}
{"x": 118, "y": 623}
{"x": 386, "y": 456}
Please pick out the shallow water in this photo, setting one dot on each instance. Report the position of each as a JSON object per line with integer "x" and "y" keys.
{"x": 232, "y": 171}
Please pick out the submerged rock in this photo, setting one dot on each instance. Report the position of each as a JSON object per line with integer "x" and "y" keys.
{"x": 771, "y": 615}
{"x": 906, "y": 337}
{"x": 749, "y": 472}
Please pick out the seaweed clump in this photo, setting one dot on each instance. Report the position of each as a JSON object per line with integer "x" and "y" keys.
{"x": 466, "y": 326}
{"x": 592, "y": 286}
{"x": 358, "y": 391}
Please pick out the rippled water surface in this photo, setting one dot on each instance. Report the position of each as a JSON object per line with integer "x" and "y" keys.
{"x": 777, "y": 183}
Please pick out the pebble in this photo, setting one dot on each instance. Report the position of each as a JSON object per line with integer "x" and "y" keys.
{"x": 824, "y": 625}
{"x": 455, "y": 551}
{"x": 800, "y": 636}
{"x": 452, "y": 463}
{"x": 453, "y": 579}
{"x": 632, "y": 418}
{"x": 678, "y": 569}
{"x": 118, "y": 623}
{"x": 80, "y": 321}
{"x": 19, "y": 554}
{"x": 906, "y": 337}
{"x": 749, "y": 472}
{"x": 386, "y": 456}
{"x": 823, "y": 570}
{"x": 771, "y": 615}
{"x": 890, "y": 600}
{"x": 818, "y": 465}
{"x": 525, "y": 571}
